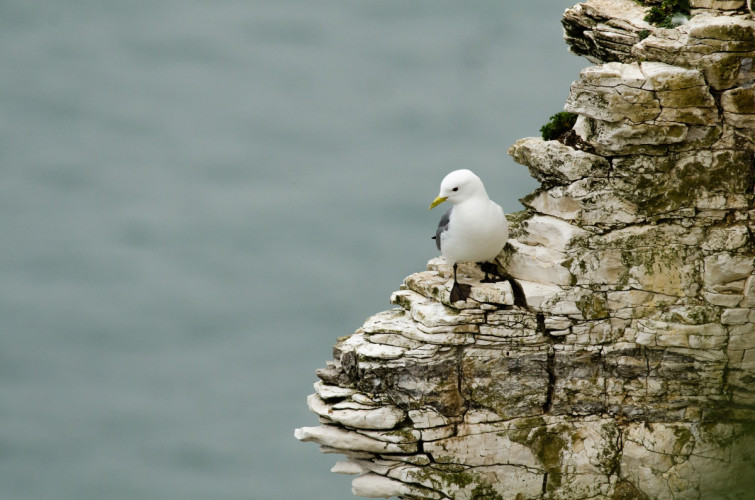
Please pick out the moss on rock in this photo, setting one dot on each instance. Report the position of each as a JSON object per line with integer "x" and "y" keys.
{"x": 558, "y": 125}
{"x": 664, "y": 14}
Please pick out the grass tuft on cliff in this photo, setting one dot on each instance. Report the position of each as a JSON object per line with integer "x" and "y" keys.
{"x": 558, "y": 125}
{"x": 667, "y": 13}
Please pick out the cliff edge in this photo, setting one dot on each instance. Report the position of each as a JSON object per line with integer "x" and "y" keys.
{"x": 629, "y": 371}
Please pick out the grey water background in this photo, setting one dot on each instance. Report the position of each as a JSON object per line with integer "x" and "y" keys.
{"x": 198, "y": 197}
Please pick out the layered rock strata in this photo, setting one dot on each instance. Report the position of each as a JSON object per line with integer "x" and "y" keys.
{"x": 629, "y": 371}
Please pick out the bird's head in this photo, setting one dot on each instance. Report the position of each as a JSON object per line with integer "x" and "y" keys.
{"x": 458, "y": 186}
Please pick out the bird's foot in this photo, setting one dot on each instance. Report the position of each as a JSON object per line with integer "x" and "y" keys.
{"x": 460, "y": 291}
{"x": 491, "y": 269}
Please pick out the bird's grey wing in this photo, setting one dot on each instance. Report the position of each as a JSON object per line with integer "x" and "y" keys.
{"x": 442, "y": 226}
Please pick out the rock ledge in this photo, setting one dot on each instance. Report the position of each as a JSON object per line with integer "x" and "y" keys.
{"x": 619, "y": 360}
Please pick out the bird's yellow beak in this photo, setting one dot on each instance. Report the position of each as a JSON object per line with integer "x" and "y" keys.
{"x": 437, "y": 201}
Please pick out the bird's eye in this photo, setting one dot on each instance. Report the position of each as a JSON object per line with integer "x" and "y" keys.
{"x": 455, "y": 189}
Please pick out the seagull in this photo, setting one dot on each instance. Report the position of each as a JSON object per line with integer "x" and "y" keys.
{"x": 473, "y": 230}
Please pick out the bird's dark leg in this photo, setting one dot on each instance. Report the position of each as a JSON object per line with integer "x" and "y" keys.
{"x": 459, "y": 291}
{"x": 519, "y": 298}
{"x": 490, "y": 269}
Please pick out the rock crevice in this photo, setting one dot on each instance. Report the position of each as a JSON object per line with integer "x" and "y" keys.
{"x": 619, "y": 360}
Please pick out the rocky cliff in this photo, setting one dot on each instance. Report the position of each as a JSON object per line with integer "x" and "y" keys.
{"x": 621, "y": 364}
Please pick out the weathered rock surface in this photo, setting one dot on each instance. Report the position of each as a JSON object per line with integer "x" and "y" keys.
{"x": 619, "y": 362}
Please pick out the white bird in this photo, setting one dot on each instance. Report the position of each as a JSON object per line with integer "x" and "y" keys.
{"x": 473, "y": 230}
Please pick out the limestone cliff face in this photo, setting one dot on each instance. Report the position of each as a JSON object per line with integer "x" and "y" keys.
{"x": 629, "y": 371}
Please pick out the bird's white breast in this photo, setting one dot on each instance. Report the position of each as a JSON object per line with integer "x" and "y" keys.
{"x": 477, "y": 231}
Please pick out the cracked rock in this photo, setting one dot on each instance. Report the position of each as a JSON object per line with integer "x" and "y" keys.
{"x": 617, "y": 358}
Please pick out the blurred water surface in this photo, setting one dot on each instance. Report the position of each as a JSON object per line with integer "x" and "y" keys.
{"x": 198, "y": 197}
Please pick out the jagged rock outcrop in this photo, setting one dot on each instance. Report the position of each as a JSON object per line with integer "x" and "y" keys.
{"x": 629, "y": 371}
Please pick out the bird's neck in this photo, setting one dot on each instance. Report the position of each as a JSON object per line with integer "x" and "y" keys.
{"x": 479, "y": 196}
{"x": 474, "y": 202}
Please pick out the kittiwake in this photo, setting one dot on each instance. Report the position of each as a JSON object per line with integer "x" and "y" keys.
{"x": 473, "y": 230}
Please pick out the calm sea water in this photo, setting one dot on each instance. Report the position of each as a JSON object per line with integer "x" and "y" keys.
{"x": 198, "y": 197}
